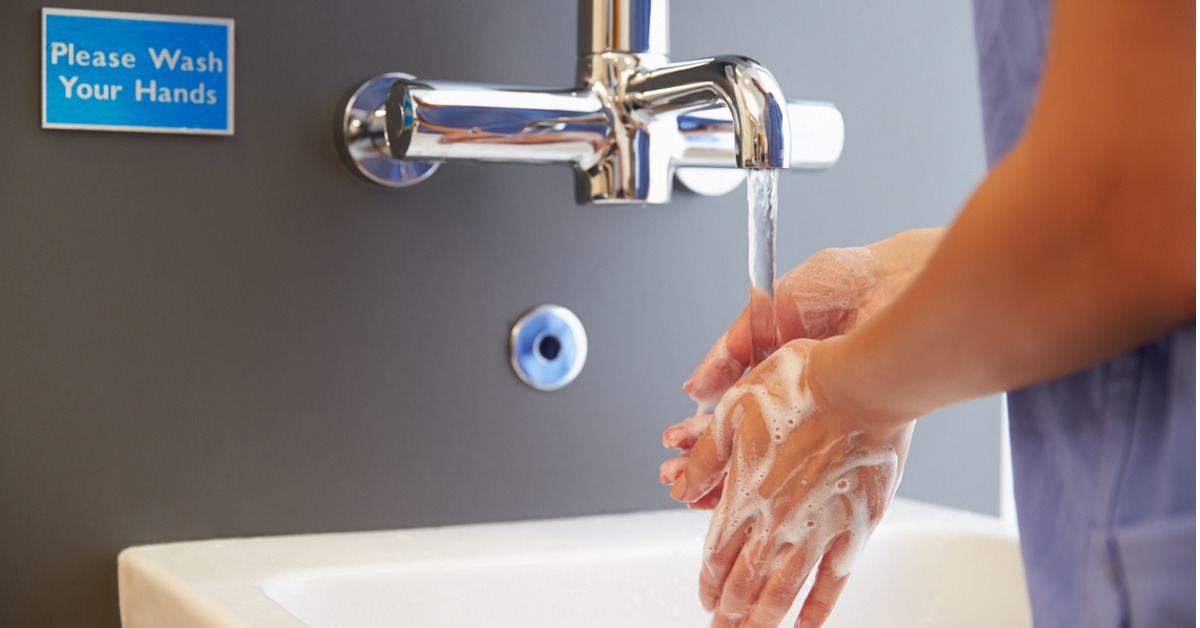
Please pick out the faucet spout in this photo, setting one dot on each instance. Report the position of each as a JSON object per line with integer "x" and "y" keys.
{"x": 759, "y": 113}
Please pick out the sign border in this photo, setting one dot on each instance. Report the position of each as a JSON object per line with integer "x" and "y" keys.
{"x": 145, "y": 17}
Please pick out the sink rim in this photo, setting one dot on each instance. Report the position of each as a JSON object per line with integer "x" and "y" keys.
{"x": 227, "y": 582}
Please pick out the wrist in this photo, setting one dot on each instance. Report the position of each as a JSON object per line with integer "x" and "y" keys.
{"x": 839, "y": 385}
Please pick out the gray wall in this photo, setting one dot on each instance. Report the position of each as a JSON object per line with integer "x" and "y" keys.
{"x": 206, "y": 337}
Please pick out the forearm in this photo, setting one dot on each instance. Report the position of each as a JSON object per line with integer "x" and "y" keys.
{"x": 1079, "y": 245}
{"x": 1010, "y": 298}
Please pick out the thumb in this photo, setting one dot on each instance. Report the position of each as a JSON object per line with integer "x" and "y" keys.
{"x": 723, "y": 365}
{"x": 708, "y": 460}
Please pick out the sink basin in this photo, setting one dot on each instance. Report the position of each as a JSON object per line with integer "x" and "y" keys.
{"x": 925, "y": 566}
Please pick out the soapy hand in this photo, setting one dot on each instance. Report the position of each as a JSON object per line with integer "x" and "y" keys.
{"x": 807, "y": 483}
{"x": 827, "y": 295}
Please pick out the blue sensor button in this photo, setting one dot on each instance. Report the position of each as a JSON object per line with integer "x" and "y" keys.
{"x": 548, "y": 347}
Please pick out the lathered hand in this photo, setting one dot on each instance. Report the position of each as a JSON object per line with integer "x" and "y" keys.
{"x": 828, "y": 295}
{"x": 807, "y": 483}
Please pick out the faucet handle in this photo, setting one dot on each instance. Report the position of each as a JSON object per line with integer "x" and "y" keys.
{"x": 707, "y": 165}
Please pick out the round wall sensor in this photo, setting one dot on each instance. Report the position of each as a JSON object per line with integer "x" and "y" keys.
{"x": 548, "y": 347}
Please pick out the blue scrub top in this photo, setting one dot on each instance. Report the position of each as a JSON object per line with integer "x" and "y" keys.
{"x": 1104, "y": 460}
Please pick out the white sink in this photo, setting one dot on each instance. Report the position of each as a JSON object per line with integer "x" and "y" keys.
{"x": 925, "y": 566}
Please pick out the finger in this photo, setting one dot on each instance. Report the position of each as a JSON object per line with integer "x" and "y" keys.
{"x": 722, "y": 547}
{"x": 781, "y": 588}
{"x": 745, "y": 581}
{"x": 709, "y": 501}
{"x": 784, "y": 585}
{"x": 831, "y": 579}
{"x": 683, "y": 435}
{"x": 670, "y": 470}
{"x": 708, "y": 458}
{"x": 723, "y": 365}
{"x": 722, "y": 622}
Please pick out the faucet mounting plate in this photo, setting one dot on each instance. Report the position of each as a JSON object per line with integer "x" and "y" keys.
{"x": 365, "y": 138}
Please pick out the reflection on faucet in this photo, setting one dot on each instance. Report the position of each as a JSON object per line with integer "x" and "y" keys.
{"x": 755, "y": 101}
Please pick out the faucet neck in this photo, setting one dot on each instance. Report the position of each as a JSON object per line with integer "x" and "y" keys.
{"x": 637, "y": 27}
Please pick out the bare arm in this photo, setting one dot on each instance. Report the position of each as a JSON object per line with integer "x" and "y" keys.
{"x": 1080, "y": 244}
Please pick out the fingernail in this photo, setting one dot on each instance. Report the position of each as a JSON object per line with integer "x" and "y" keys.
{"x": 679, "y": 489}
{"x": 664, "y": 477}
{"x": 806, "y": 623}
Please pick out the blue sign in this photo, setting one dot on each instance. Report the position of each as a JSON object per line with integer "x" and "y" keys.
{"x": 109, "y": 71}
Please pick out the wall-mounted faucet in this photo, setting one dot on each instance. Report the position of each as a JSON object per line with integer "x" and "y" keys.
{"x": 631, "y": 123}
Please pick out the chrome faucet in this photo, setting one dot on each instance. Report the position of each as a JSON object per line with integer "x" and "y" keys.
{"x": 632, "y": 122}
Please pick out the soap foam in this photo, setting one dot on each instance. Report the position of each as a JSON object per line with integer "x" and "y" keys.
{"x": 861, "y": 480}
{"x": 781, "y": 410}
{"x": 831, "y": 289}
